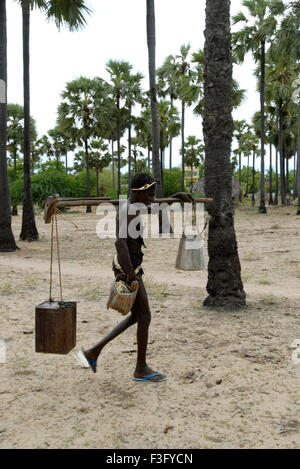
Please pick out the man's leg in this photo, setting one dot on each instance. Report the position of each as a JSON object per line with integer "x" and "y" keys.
{"x": 142, "y": 313}
{"x": 95, "y": 351}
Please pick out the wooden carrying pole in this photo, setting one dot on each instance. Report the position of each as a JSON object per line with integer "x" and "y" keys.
{"x": 54, "y": 201}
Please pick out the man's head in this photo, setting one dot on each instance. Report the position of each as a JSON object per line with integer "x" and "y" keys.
{"x": 143, "y": 188}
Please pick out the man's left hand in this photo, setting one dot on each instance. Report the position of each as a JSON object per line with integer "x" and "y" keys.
{"x": 184, "y": 197}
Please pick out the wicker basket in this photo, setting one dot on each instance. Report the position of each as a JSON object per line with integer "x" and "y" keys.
{"x": 121, "y": 302}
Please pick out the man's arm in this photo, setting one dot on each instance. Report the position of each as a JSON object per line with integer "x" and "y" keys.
{"x": 122, "y": 246}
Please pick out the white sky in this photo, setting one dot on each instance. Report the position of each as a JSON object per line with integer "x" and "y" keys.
{"x": 116, "y": 29}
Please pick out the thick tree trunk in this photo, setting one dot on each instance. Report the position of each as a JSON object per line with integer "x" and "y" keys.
{"x": 29, "y": 231}
{"x": 182, "y": 145}
{"x": 153, "y": 94}
{"x": 262, "y": 204}
{"x": 270, "y": 179}
{"x": 7, "y": 241}
{"x": 224, "y": 284}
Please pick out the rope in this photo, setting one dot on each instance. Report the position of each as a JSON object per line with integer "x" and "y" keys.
{"x": 54, "y": 218}
{"x": 70, "y": 221}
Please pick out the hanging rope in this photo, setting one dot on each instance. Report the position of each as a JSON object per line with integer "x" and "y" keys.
{"x": 54, "y": 218}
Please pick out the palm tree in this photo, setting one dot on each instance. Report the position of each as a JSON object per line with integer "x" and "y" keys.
{"x": 60, "y": 145}
{"x": 7, "y": 241}
{"x": 254, "y": 38}
{"x": 100, "y": 159}
{"x": 184, "y": 80}
{"x": 193, "y": 153}
{"x": 78, "y": 115}
{"x": 240, "y": 129}
{"x": 224, "y": 284}
{"x": 288, "y": 43}
{"x": 167, "y": 86}
{"x": 119, "y": 74}
{"x": 133, "y": 95}
{"x": 153, "y": 93}
{"x": 15, "y": 136}
{"x": 169, "y": 125}
{"x": 71, "y": 13}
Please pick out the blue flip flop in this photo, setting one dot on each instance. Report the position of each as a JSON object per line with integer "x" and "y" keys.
{"x": 148, "y": 378}
{"x": 90, "y": 361}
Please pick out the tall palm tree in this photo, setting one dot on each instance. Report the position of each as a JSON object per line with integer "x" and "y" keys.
{"x": 153, "y": 93}
{"x": 254, "y": 38}
{"x": 288, "y": 43}
{"x": 15, "y": 136}
{"x": 133, "y": 95}
{"x": 240, "y": 129}
{"x": 119, "y": 74}
{"x": 7, "y": 241}
{"x": 167, "y": 86}
{"x": 224, "y": 284}
{"x": 71, "y": 13}
{"x": 78, "y": 114}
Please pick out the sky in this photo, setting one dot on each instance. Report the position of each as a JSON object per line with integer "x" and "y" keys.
{"x": 115, "y": 30}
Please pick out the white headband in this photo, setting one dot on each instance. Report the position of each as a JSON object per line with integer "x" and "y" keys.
{"x": 145, "y": 187}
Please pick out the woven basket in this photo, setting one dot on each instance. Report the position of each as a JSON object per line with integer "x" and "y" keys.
{"x": 121, "y": 302}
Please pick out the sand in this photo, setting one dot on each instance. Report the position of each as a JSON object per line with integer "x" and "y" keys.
{"x": 232, "y": 382}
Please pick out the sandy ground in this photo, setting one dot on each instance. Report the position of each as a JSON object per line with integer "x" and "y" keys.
{"x": 231, "y": 379}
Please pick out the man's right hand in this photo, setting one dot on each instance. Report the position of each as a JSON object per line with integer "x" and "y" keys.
{"x": 131, "y": 278}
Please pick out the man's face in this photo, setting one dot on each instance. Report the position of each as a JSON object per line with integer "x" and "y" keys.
{"x": 147, "y": 196}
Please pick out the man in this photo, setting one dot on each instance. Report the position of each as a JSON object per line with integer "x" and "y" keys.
{"x": 127, "y": 267}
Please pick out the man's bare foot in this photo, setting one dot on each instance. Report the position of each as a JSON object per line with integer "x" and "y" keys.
{"x": 91, "y": 358}
{"x": 147, "y": 374}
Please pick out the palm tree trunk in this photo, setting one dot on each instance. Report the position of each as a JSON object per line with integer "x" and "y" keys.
{"x": 171, "y": 139}
{"x": 97, "y": 182}
{"x": 153, "y": 94}
{"x": 182, "y": 145}
{"x": 288, "y": 192}
{"x": 119, "y": 146}
{"x": 224, "y": 286}
{"x": 149, "y": 163}
{"x": 270, "y": 179}
{"x": 262, "y": 205}
{"x": 294, "y": 179}
{"x": 113, "y": 163}
{"x": 282, "y": 182}
{"x": 253, "y": 179}
{"x": 298, "y": 160}
{"x": 14, "y": 209}
{"x": 276, "y": 179}
{"x": 247, "y": 182}
{"x": 240, "y": 177}
{"x": 129, "y": 155}
{"x": 29, "y": 231}
{"x": 7, "y": 241}
{"x": 87, "y": 168}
